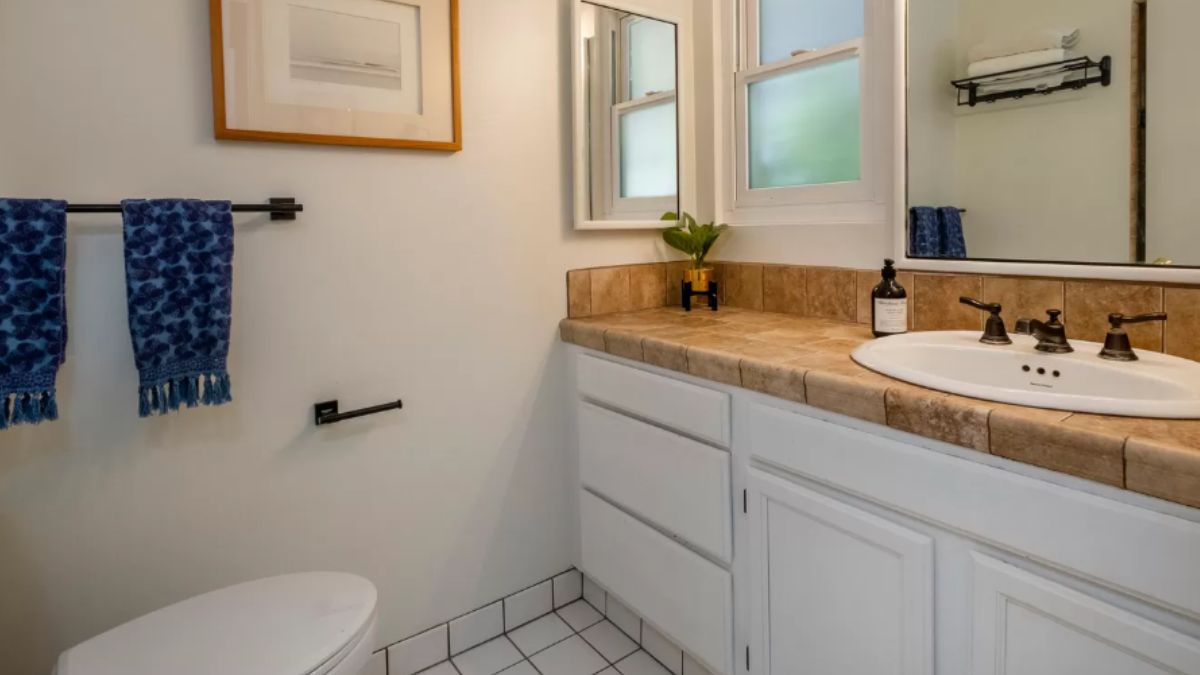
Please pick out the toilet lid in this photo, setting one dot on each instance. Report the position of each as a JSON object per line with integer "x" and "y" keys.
{"x": 298, "y": 624}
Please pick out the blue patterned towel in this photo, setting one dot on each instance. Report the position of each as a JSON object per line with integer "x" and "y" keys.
{"x": 33, "y": 312}
{"x": 954, "y": 245}
{"x": 178, "y": 277}
{"x": 924, "y": 233}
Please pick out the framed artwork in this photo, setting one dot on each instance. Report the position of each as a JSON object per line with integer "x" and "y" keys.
{"x": 381, "y": 73}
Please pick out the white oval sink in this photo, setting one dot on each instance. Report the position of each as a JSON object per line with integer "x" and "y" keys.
{"x": 1157, "y": 385}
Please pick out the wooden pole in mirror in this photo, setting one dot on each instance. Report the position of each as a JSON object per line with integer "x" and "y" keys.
{"x": 220, "y": 120}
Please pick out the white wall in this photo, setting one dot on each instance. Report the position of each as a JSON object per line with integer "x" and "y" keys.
{"x": 436, "y": 278}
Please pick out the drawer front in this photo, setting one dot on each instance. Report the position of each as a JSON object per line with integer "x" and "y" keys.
{"x": 676, "y": 483}
{"x": 681, "y": 593}
{"x": 698, "y": 411}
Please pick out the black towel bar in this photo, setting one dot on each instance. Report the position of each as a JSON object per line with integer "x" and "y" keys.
{"x": 327, "y": 412}
{"x": 280, "y": 208}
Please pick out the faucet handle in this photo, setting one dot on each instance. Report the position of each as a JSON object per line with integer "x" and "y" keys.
{"x": 1054, "y": 314}
{"x": 1117, "y": 346}
{"x": 994, "y": 332}
{"x": 1118, "y": 320}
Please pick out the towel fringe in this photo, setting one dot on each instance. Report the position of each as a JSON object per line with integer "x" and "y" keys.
{"x": 27, "y": 408}
{"x": 190, "y": 391}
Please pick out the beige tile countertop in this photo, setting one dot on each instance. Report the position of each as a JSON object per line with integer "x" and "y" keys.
{"x": 808, "y": 361}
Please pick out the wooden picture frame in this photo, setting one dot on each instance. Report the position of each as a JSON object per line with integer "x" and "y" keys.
{"x": 450, "y": 121}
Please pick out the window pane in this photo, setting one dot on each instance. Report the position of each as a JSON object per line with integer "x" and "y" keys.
{"x": 788, "y": 25}
{"x": 648, "y": 164}
{"x": 804, "y": 127}
{"x": 651, "y": 57}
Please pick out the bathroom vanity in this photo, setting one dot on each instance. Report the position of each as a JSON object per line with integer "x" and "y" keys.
{"x": 774, "y": 536}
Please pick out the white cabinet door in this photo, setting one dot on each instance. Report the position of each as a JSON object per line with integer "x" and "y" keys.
{"x": 1028, "y": 625}
{"x": 834, "y": 590}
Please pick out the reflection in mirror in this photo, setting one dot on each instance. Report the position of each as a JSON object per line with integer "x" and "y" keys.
{"x": 1054, "y": 130}
{"x": 629, "y": 68}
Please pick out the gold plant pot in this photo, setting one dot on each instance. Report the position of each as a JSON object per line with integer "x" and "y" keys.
{"x": 700, "y": 278}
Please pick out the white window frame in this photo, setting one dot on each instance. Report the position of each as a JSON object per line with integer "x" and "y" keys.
{"x": 736, "y": 60}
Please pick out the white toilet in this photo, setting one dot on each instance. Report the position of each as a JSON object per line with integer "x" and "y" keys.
{"x": 318, "y": 623}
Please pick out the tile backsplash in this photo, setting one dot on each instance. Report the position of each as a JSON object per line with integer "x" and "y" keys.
{"x": 845, "y": 295}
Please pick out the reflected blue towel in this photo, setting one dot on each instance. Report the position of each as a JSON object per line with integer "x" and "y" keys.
{"x": 33, "y": 312}
{"x": 954, "y": 245}
{"x": 179, "y": 276}
{"x": 924, "y": 232}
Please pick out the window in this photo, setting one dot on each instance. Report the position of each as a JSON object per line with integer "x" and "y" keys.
{"x": 644, "y": 118}
{"x": 809, "y": 105}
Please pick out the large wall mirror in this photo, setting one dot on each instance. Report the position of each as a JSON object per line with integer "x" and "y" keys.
{"x": 1054, "y": 131}
{"x": 626, "y": 117}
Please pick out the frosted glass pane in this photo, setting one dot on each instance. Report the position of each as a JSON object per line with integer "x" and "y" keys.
{"x": 804, "y": 127}
{"x": 648, "y": 159}
{"x": 651, "y": 57}
{"x": 788, "y": 25}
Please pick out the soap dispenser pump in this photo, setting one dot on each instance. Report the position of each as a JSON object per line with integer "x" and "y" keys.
{"x": 889, "y": 304}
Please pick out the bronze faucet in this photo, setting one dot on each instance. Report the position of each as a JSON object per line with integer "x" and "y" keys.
{"x": 994, "y": 333}
{"x": 1051, "y": 335}
{"x": 1116, "y": 344}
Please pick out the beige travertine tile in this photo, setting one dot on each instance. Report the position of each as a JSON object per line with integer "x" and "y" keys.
{"x": 579, "y": 294}
{"x": 774, "y": 379}
{"x": 832, "y": 293}
{"x": 1182, "y": 329}
{"x": 584, "y": 334}
{"x": 1066, "y": 445}
{"x": 939, "y": 416}
{"x": 610, "y": 290}
{"x": 674, "y": 279}
{"x": 743, "y": 285}
{"x": 715, "y": 364}
{"x": 665, "y": 353}
{"x": 647, "y": 286}
{"x": 1088, "y": 304}
{"x": 1164, "y": 470}
{"x": 859, "y": 397}
{"x": 868, "y": 280}
{"x": 1023, "y": 297}
{"x": 623, "y": 343}
{"x": 785, "y": 289}
{"x": 937, "y": 306}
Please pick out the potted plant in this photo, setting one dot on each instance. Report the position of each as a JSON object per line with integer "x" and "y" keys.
{"x": 695, "y": 241}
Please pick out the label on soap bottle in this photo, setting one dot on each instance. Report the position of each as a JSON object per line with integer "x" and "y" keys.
{"x": 891, "y": 315}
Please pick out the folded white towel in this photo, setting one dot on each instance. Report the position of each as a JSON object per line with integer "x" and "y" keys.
{"x": 1033, "y": 41}
{"x": 1025, "y": 60}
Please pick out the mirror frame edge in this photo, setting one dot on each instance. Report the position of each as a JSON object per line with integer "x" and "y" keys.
{"x": 682, "y": 18}
{"x": 1083, "y": 270}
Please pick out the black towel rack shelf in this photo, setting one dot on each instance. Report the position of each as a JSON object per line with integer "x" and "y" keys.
{"x": 1092, "y": 72}
{"x": 280, "y": 208}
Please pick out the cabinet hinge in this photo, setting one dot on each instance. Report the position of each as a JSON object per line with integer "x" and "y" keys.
{"x": 745, "y": 502}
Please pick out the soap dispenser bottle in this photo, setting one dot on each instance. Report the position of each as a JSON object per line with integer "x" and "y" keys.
{"x": 889, "y": 304}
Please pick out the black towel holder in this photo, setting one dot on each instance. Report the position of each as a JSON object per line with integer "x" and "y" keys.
{"x": 327, "y": 412}
{"x": 280, "y": 208}
{"x": 1093, "y": 72}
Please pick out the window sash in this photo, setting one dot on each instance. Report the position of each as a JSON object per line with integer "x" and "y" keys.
{"x": 820, "y": 193}
{"x": 649, "y": 207}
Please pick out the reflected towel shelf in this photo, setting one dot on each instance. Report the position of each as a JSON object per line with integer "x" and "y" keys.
{"x": 1093, "y": 72}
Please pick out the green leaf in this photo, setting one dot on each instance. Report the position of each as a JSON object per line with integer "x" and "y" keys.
{"x": 679, "y": 240}
{"x": 671, "y": 216}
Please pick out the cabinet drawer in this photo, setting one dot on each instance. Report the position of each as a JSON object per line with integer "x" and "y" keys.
{"x": 676, "y": 483}
{"x": 682, "y": 594}
{"x": 699, "y": 411}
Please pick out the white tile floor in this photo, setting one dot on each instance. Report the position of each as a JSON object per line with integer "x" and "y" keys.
{"x": 573, "y": 640}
